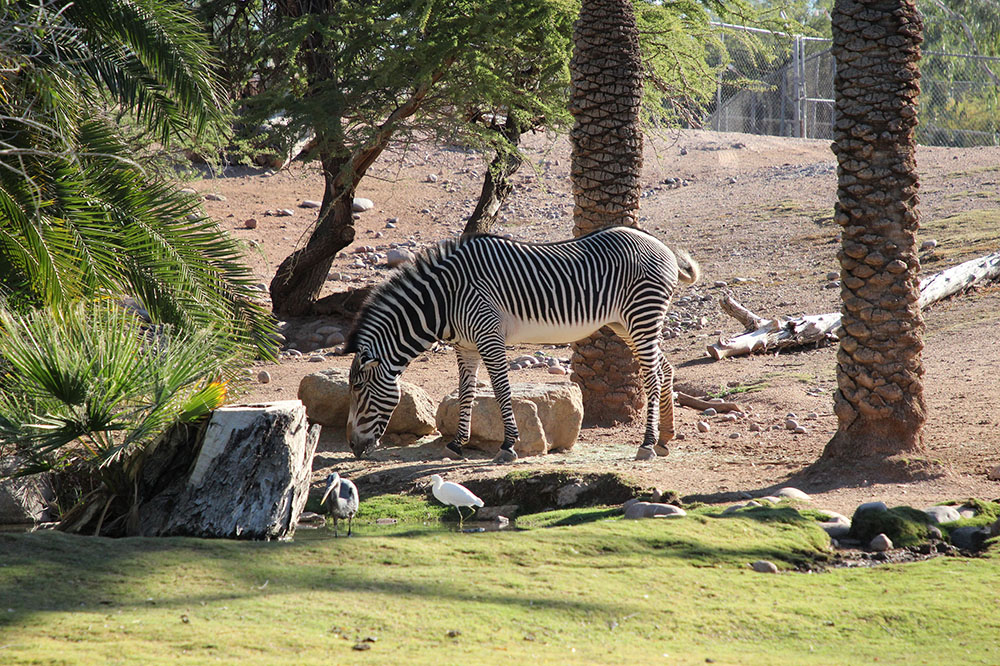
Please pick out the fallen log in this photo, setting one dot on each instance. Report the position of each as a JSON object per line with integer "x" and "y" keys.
{"x": 700, "y": 404}
{"x": 764, "y": 334}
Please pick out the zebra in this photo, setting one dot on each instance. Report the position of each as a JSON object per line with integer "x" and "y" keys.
{"x": 481, "y": 292}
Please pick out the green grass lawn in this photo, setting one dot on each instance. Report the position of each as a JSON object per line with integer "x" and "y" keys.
{"x": 577, "y": 587}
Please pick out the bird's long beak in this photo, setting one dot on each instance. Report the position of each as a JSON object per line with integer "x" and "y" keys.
{"x": 325, "y": 495}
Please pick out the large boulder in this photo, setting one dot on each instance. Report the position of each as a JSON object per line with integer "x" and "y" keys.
{"x": 548, "y": 417}
{"x": 23, "y": 499}
{"x": 327, "y": 397}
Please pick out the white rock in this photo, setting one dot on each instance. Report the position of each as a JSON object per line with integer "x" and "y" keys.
{"x": 557, "y": 370}
{"x": 703, "y": 426}
{"x": 361, "y": 204}
{"x": 791, "y": 424}
{"x": 928, "y": 245}
{"x": 837, "y": 529}
{"x": 548, "y": 417}
{"x": 214, "y": 197}
{"x": 764, "y": 566}
{"x": 794, "y": 493}
{"x": 637, "y": 510}
{"x": 880, "y": 543}
{"x": 398, "y": 257}
{"x": 309, "y": 203}
{"x": 264, "y": 377}
{"x": 284, "y": 212}
{"x": 800, "y": 430}
{"x": 711, "y": 411}
{"x": 432, "y": 178}
{"x": 943, "y": 514}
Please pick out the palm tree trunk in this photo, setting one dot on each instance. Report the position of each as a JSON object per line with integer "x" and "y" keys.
{"x": 606, "y": 170}
{"x": 879, "y": 403}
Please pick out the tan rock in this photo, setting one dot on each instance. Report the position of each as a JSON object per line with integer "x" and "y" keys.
{"x": 327, "y": 397}
{"x": 548, "y": 417}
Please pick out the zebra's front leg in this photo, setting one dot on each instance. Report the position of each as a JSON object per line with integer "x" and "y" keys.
{"x": 495, "y": 359}
{"x": 468, "y": 371}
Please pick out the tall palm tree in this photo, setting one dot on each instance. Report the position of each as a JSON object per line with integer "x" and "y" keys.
{"x": 606, "y": 97}
{"x": 81, "y": 214}
{"x": 879, "y": 402}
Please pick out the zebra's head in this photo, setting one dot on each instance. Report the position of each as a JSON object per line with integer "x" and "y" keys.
{"x": 374, "y": 395}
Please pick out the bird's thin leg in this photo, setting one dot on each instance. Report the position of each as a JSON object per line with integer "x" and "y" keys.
{"x": 350, "y": 525}
{"x": 336, "y": 529}
{"x": 461, "y": 517}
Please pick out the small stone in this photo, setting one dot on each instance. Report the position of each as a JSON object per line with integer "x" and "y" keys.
{"x": 250, "y": 223}
{"x": 316, "y": 358}
{"x": 711, "y": 411}
{"x": 764, "y": 566}
{"x": 871, "y": 506}
{"x": 454, "y": 633}
{"x": 361, "y": 204}
{"x": 794, "y": 493}
{"x": 432, "y": 178}
{"x": 734, "y": 435}
{"x": 310, "y": 203}
{"x": 800, "y": 430}
{"x": 399, "y": 257}
{"x": 557, "y": 370}
{"x": 833, "y": 275}
{"x": 703, "y": 426}
{"x": 943, "y": 514}
{"x": 728, "y": 418}
{"x": 188, "y": 190}
{"x": 994, "y": 474}
{"x": 791, "y": 424}
{"x": 214, "y": 197}
{"x": 386, "y": 521}
{"x": 812, "y": 415}
{"x": 264, "y": 377}
{"x": 969, "y": 538}
{"x": 928, "y": 245}
{"x": 754, "y": 427}
{"x": 284, "y": 212}
{"x": 880, "y": 543}
{"x": 361, "y": 647}
{"x": 721, "y": 283}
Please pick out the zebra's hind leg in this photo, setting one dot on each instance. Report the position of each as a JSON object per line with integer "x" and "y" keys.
{"x": 666, "y": 409}
{"x": 468, "y": 370}
{"x": 495, "y": 359}
{"x": 646, "y": 348}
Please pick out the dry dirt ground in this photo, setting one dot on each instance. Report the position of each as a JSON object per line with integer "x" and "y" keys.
{"x": 756, "y": 212}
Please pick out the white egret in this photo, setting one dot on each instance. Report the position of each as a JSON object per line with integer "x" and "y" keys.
{"x": 343, "y": 501}
{"x": 454, "y": 494}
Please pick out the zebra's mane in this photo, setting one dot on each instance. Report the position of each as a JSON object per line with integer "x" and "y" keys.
{"x": 403, "y": 275}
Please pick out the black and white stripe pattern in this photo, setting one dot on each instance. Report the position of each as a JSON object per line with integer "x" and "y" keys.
{"x": 480, "y": 293}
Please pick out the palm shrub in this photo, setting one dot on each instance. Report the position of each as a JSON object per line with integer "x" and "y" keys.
{"x": 86, "y": 218}
{"x": 91, "y": 385}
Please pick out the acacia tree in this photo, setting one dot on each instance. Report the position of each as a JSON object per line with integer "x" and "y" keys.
{"x": 361, "y": 75}
{"x": 879, "y": 402}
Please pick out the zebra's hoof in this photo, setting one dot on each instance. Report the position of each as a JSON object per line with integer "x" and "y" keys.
{"x": 453, "y": 451}
{"x": 645, "y": 453}
{"x": 505, "y": 456}
{"x": 661, "y": 450}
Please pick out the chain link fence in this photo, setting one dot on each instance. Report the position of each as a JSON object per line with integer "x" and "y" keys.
{"x": 780, "y": 84}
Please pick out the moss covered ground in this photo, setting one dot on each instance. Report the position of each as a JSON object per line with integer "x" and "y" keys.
{"x": 577, "y": 586}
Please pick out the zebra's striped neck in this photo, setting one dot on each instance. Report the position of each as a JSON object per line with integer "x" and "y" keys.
{"x": 404, "y": 315}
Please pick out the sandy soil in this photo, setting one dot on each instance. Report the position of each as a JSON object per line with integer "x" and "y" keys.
{"x": 756, "y": 212}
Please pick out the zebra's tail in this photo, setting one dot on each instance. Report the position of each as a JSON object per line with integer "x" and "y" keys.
{"x": 688, "y": 269}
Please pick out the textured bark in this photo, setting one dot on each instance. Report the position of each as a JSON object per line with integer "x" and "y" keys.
{"x": 879, "y": 402}
{"x": 606, "y": 169}
{"x": 299, "y": 279}
{"x": 496, "y": 183}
